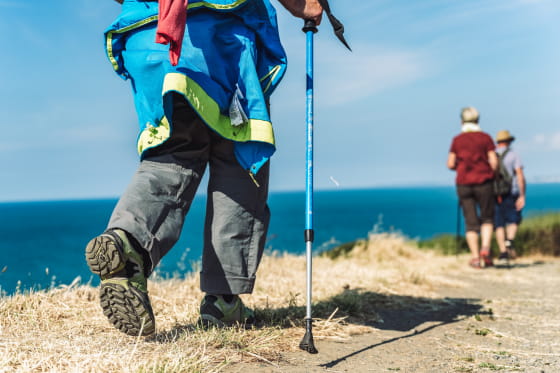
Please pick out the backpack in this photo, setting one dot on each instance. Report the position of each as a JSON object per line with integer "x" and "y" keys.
{"x": 502, "y": 180}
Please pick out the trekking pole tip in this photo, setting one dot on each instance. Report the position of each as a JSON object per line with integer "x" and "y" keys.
{"x": 306, "y": 343}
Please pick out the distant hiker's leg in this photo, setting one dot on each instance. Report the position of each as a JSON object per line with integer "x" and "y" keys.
{"x": 154, "y": 206}
{"x": 501, "y": 239}
{"x": 486, "y": 230}
{"x": 499, "y": 223}
{"x": 472, "y": 242}
{"x": 512, "y": 218}
{"x": 484, "y": 195}
{"x": 472, "y": 222}
{"x": 468, "y": 205}
{"x": 511, "y": 231}
{"x": 237, "y": 218}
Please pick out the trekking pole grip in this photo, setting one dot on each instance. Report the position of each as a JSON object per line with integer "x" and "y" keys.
{"x": 309, "y": 25}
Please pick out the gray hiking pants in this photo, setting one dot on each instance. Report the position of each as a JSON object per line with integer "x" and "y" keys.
{"x": 153, "y": 207}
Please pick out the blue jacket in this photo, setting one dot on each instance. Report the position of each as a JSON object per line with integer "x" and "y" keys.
{"x": 231, "y": 62}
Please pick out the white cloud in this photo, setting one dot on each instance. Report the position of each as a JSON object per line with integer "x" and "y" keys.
{"x": 532, "y": 2}
{"x": 367, "y": 71}
{"x": 484, "y": 7}
{"x": 549, "y": 141}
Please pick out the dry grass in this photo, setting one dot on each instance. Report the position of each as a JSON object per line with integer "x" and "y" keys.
{"x": 64, "y": 330}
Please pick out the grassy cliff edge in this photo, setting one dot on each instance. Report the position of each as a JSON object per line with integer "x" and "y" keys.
{"x": 64, "y": 330}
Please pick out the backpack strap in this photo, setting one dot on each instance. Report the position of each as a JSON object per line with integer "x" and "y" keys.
{"x": 501, "y": 156}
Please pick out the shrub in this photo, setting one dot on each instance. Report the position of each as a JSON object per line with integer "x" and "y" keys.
{"x": 536, "y": 235}
{"x": 539, "y": 235}
{"x": 343, "y": 249}
{"x": 447, "y": 244}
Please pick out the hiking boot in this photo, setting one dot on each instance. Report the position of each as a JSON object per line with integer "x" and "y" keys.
{"x": 215, "y": 310}
{"x": 124, "y": 290}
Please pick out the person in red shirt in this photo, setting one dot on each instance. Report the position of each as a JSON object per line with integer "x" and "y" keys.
{"x": 473, "y": 158}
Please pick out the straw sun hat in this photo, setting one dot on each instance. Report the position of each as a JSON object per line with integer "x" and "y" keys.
{"x": 504, "y": 136}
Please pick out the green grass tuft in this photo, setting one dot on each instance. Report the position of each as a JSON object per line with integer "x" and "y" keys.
{"x": 539, "y": 235}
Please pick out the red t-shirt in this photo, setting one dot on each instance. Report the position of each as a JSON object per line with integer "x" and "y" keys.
{"x": 471, "y": 150}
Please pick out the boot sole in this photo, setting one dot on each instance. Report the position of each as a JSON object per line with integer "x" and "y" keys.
{"x": 103, "y": 256}
{"x": 126, "y": 307}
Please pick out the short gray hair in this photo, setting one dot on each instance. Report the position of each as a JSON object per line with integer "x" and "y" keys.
{"x": 470, "y": 115}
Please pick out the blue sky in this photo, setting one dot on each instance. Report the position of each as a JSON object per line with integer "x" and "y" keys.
{"x": 384, "y": 113}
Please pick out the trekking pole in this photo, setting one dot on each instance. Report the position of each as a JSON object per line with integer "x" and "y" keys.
{"x": 307, "y": 341}
{"x": 310, "y": 28}
{"x": 458, "y": 235}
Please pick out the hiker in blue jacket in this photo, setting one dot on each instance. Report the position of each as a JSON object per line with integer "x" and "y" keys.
{"x": 212, "y": 108}
{"x": 509, "y": 206}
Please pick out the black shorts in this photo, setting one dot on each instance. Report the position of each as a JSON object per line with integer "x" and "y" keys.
{"x": 477, "y": 201}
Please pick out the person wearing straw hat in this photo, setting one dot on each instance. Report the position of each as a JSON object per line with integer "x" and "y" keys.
{"x": 509, "y": 206}
{"x": 472, "y": 155}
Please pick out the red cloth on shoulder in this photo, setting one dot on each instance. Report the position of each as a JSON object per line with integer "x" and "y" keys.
{"x": 471, "y": 150}
{"x": 171, "y": 26}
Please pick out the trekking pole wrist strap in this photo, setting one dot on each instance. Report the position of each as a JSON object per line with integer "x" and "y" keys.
{"x": 337, "y": 26}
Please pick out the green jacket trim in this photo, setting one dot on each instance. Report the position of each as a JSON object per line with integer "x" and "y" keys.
{"x": 209, "y": 111}
{"x": 109, "y": 39}
{"x": 210, "y": 5}
{"x": 152, "y": 136}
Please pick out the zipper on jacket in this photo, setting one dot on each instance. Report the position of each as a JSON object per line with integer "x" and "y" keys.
{"x": 254, "y": 180}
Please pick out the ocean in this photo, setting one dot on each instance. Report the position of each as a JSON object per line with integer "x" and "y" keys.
{"x": 42, "y": 243}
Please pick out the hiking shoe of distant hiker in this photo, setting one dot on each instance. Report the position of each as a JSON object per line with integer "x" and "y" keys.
{"x": 124, "y": 289}
{"x": 486, "y": 258}
{"x": 216, "y": 311}
{"x": 475, "y": 263}
{"x": 504, "y": 257}
{"x": 511, "y": 249}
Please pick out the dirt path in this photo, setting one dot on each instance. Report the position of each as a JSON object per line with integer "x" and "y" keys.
{"x": 505, "y": 319}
